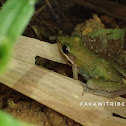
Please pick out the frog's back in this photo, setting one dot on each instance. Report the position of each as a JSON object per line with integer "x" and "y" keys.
{"x": 95, "y": 66}
{"x": 106, "y": 70}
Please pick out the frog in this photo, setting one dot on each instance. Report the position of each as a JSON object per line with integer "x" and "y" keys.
{"x": 103, "y": 77}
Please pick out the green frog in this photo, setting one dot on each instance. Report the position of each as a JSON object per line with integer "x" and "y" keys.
{"x": 103, "y": 77}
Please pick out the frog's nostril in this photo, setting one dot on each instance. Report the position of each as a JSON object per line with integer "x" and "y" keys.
{"x": 65, "y": 49}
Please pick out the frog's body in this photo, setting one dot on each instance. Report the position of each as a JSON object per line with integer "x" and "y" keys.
{"x": 101, "y": 75}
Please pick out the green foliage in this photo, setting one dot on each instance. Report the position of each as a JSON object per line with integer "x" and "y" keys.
{"x": 111, "y": 34}
{"x": 14, "y": 17}
{"x": 7, "y": 120}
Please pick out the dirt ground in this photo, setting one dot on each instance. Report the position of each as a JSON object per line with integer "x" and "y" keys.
{"x": 46, "y": 24}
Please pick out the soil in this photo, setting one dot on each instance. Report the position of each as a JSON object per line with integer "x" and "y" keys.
{"x": 46, "y": 24}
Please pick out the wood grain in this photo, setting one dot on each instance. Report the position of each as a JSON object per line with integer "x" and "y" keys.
{"x": 27, "y": 49}
{"x": 56, "y": 91}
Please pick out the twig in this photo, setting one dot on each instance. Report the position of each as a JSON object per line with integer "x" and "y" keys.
{"x": 53, "y": 13}
{"x": 38, "y": 11}
{"x": 64, "y": 24}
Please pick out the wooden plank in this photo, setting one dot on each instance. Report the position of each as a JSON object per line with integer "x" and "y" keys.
{"x": 58, "y": 92}
{"x": 27, "y": 49}
{"x": 62, "y": 94}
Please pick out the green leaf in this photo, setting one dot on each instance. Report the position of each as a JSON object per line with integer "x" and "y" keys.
{"x": 7, "y": 120}
{"x": 14, "y": 17}
{"x": 113, "y": 34}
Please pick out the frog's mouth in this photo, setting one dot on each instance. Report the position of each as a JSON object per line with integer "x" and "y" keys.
{"x": 71, "y": 58}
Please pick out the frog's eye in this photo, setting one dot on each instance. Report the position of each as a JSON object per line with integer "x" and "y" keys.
{"x": 65, "y": 49}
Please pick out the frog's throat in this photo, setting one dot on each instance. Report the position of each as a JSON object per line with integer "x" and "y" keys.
{"x": 71, "y": 58}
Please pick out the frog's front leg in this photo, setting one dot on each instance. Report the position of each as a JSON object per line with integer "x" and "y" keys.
{"x": 100, "y": 86}
{"x": 75, "y": 72}
{"x": 75, "y": 76}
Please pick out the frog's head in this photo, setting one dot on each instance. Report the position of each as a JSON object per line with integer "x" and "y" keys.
{"x": 69, "y": 46}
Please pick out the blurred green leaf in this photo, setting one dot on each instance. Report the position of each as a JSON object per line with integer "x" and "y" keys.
{"x": 7, "y": 120}
{"x": 14, "y": 17}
